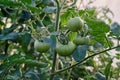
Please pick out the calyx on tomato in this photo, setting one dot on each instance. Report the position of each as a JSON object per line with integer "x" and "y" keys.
{"x": 75, "y": 24}
{"x": 65, "y": 50}
{"x": 81, "y": 40}
{"x": 41, "y": 46}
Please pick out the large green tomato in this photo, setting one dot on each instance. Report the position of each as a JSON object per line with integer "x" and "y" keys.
{"x": 81, "y": 40}
{"x": 65, "y": 50}
{"x": 41, "y": 46}
{"x": 75, "y": 24}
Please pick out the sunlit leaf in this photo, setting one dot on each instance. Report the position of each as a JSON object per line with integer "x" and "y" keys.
{"x": 72, "y": 35}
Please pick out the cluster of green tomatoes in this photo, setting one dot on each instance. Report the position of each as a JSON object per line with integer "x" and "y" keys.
{"x": 74, "y": 24}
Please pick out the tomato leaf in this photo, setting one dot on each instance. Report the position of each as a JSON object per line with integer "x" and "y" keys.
{"x": 115, "y": 28}
{"x": 10, "y": 3}
{"x": 100, "y": 76}
{"x": 98, "y": 25}
{"x": 80, "y": 52}
{"x": 24, "y": 40}
{"x": 10, "y": 29}
{"x": 27, "y": 1}
{"x": 11, "y": 36}
{"x": 32, "y": 75}
{"x": 49, "y": 9}
{"x": 72, "y": 35}
{"x": 67, "y": 15}
{"x": 87, "y": 12}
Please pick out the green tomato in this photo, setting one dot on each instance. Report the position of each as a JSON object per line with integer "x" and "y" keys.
{"x": 75, "y": 24}
{"x": 41, "y": 46}
{"x": 65, "y": 50}
{"x": 80, "y": 40}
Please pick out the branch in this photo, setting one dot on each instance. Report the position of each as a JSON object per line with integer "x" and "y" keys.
{"x": 59, "y": 71}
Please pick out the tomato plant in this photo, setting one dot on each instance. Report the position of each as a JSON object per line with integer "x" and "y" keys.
{"x": 76, "y": 43}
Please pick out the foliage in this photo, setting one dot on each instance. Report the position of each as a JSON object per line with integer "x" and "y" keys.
{"x": 24, "y": 21}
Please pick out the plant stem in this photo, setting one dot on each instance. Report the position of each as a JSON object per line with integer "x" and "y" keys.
{"x": 70, "y": 71}
{"x": 107, "y": 42}
{"x": 57, "y": 16}
{"x": 53, "y": 66}
{"x": 56, "y": 29}
{"x": 59, "y": 71}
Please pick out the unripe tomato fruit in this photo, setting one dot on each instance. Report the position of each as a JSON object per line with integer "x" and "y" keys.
{"x": 41, "y": 46}
{"x": 81, "y": 40}
{"x": 65, "y": 50}
{"x": 75, "y": 24}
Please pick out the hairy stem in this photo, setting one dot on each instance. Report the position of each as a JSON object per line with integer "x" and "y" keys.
{"x": 59, "y": 71}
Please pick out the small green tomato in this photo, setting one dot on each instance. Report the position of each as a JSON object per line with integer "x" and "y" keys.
{"x": 65, "y": 50}
{"x": 41, "y": 46}
{"x": 81, "y": 40}
{"x": 75, "y": 24}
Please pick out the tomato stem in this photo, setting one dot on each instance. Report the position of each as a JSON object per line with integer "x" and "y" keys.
{"x": 56, "y": 29}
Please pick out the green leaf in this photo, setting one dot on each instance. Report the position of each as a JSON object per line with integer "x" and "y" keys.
{"x": 10, "y": 3}
{"x": 49, "y": 9}
{"x": 97, "y": 45}
{"x": 27, "y": 1}
{"x": 100, "y": 39}
{"x": 100, "y": 76}
{"x": 9, "y": 30}
{"x": 3, "y": 56}
{"x": 72, "y": 35}
{"x": 87, "y": 12}
{"x": 47, "y": 1}
{"x": 107, "y": 69}
{"x": 17, "y": 59}
{"x": 34, "y": 9}
{"x": 24, "y": 16}
{"x": 80, "y": 52}
{"x": 1, "y": 23}
{"x": 118, "y": 55}
{"x": 11, "y": 36}
{"x": 115, "y": 28}
{"x": 97, "y": 25}
{"x": 66, "y": 16}
{"x": 118, "y": 49}
{"x": 32, "y": 75}
{"x": 56, "y": 33}
{"x": 47, "y": 21}
{"x": 98, "y": 29}
{"x": 24, "y": 40}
